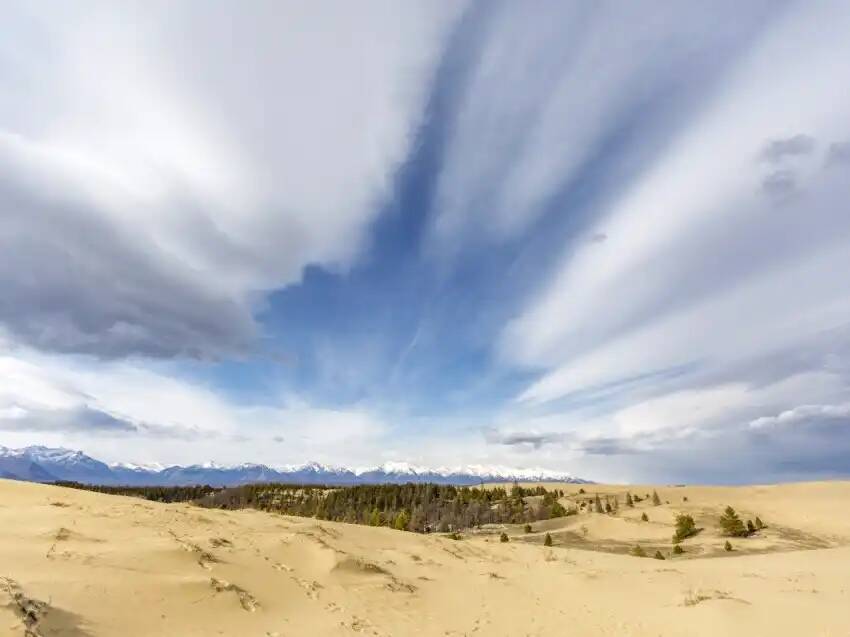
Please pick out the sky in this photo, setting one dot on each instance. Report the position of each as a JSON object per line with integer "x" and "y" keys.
{"x": 605, "y": 238}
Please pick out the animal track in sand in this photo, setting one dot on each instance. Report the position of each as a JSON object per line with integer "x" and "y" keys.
{"x": 217, "y": 542}
{"x": 246, "y": 600}
{"x": 694, "y": 597}
{"x": 205, "y": 558}
{"x": 311, "y": 588}
{"x": 29, "y": 611}
{"x": 39, "y": 619}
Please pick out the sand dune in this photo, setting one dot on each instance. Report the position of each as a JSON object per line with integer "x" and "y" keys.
{"x": 76, "y": 563}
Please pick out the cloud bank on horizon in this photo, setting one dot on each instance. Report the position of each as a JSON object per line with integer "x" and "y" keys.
{"x": 603, "y": 238}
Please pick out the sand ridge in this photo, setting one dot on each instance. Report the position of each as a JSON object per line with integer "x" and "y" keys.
{"x": 85, "y": 564}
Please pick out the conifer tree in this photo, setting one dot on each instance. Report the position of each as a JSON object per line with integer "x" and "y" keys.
{"x": 401, "y": 521}
{"x": 375, "y": 518}
{"x": 597, "y": 504}
{"x": 727, "y": 546}
{"x": 644, "y": 517}
{"x": 685, "y": 528}
{"x": 731, "y": 524}
{"x": 655, "y": 499}
{"x": 548, "y": 540}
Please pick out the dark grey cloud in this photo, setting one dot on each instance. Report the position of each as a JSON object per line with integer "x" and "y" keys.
{"x": 780, "y": 184}
{"x": 838, "y": 154}
{"x": 93, "y": 421}
{"x": 71, "y": 280}
{"x": 778, "y": 149}
{"x": 524, "y": 439}
{"x": 807, "y": 443}
{"x": 77, "y": 420}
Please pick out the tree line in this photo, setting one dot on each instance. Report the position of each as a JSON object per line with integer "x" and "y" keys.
{"x": 413, "y": 507}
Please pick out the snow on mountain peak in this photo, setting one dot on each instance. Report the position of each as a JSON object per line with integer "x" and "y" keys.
{"x": 69, "y": 464}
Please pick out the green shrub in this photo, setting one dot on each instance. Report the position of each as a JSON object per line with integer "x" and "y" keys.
{"x": 528, "y": 528}
{"x": 629, "y": 501}
{"x": 637, "y": 551}
{"x": 557, "y": 510}
{"x": 655, "y": 499}
{"x": 644, "y": 517}
{"x": 731, "y": 524}
{"x": 504, "y": 538}
{"x": 751, "y": 528}
{"x": 548, "y": 540}
{"x": 728, "y": 545}
{"x": 685, "y": 528}
{"x": 678, "y": 550}
{"x": 658, "y": 555}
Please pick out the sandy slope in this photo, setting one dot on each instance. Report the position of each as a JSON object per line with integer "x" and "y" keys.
{"x": 120, "y": 566}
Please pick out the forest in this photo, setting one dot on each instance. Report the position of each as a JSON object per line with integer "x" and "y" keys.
{"x": 420, "y": 508}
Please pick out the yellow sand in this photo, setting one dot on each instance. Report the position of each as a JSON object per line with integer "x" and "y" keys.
{"x": 107, "y": 565}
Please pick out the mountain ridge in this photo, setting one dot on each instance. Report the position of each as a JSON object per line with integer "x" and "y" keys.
{"x": 46, "y": 464}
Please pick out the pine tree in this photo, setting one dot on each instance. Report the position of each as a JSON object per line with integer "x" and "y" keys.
{"x": 401, "y": 521}
{"x": 548, "y": 540}
{"x": 731, "y": 524}
{"x": 644, "y": 517}
{"x": 728, "y": 545}
{"x": 655, "y": 499}
{"x": 685, "y": 528}
{"x": 375, "y": 518}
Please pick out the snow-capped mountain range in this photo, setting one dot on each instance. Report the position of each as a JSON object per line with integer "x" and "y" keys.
{"x": 44, "y": 464}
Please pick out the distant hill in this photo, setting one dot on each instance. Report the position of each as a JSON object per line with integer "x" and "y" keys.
{"x": 45, "y": 464}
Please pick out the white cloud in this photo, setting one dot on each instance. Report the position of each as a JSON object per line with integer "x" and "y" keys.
{"x": 199, "y": 171}
{"x": 549, "y": 89}
{"x": 803, "y": 413}
{"x": 698, "y": 266}
{"x": 125, "y": 411}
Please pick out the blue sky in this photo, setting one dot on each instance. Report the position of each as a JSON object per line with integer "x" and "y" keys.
{"x": 604, "y": 238}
